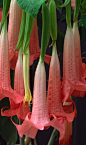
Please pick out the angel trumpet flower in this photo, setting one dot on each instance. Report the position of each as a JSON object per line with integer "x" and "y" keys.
{"x": 13, "y": 31}
{"x": 19, "y": 109}
{"x": 6, "y": 90}
{"x": 78, "y": 60}
{"x": 39, "y": 118}
{"x": 54, "y": 90}
{"x": 65, "y": 139}
{"x": 70, "y": 78}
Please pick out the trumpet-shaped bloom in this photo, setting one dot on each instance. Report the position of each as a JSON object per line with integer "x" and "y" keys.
{"x": 13, "y": 31}
{"x": 78, "y": 60}
{"x": 19, "y": 109}
{"x": 65, "y": 139}
{"x": 70, "y": 78}
{"x": 54, "y": 90}
{"x": 6, "y": 90}
{"x": 39, "y": 118}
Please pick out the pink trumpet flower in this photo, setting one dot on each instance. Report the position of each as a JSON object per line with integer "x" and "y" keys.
{"x": 78, "y": 60}
{"x": 73, "y": 4}
{"x": 13, "y": 31}
{"x": 19, "y": 109}
{"x": 71, "y": 81}
{"x": 39, "y": 118}
{"x": 65, "y": 139}
{"x": 54, "y": 90}
{"x": 5, "y": 87}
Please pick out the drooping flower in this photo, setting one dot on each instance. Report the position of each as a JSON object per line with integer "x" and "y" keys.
{"x": 13, "y": 31}
{"x": 70, "y": 78}
{"x": 65, "y": 139}
{"x": 39, "y": 118}
{"x": 78, "y": 60}
{"x": 54, "y": 101}
{"x": 6, "y": 90}
{"x": 19, "y": 109}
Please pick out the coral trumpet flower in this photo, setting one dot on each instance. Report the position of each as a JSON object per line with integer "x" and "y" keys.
{"x": 19, "y": 109}
{"x": 6, "y": 90}
{"x": 78, "y": 60}
{"x": 13, "y": 31}
{"x": 54, "y": 90}
{"x": 70, "y": 78}
{"x": 39, "y": 119}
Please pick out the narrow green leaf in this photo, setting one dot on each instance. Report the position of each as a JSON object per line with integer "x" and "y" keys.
{"x": 83, "y": 19}
{"x": 65, "y": 3}
{"x": 6, "y": 5}
{"x": 30, "y": 6}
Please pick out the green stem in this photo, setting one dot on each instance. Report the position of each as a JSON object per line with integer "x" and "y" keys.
{"x": 53, "y": 137}
{"x": 4, "y": 28}
{"x": 76, "y": 10}
{"x": 21, "y": 138}
{"x": 68, "y": 14}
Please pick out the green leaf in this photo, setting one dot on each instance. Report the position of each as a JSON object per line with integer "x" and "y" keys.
{"x": 59, "y": 2}
{"x": 7, "y": 130}
{"x": 1, "y": 3}
{"x": 6, "y": 5}
{"x": 30, "y": 6}
{"x": 83, "y": 19}
{"x": 65, "y": 3}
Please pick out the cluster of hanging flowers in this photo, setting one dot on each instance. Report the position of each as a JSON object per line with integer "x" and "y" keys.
{"x": 55, "y": 109}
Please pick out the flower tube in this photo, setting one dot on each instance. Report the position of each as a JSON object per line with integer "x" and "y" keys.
{"x": 19, "y": 109}
{"x": 6, "y": 90}
{"x": 54, "y": 101}
{"x": 78, "y": 60}
{"x": 13, "y": 31}
{"x": 70, "y": 78}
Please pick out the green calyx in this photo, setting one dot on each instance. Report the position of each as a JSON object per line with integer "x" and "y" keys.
{"x": 68, "y": 14}
{"x": 28, "y": 30}
{"x": 21, "y": 32}
{"x": 76, "y": 11}
{"x": 45, "y": 30}
{"x": 53, "y": 19}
